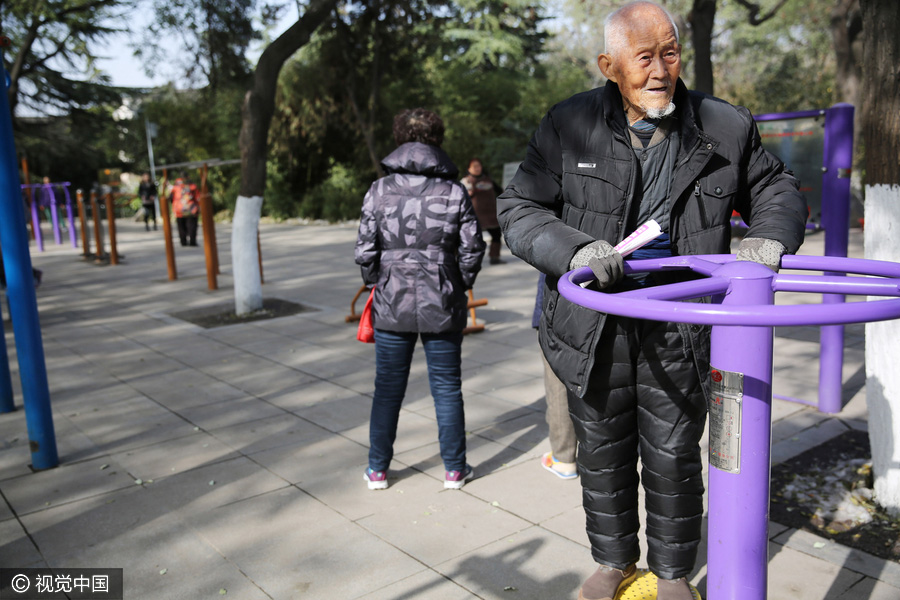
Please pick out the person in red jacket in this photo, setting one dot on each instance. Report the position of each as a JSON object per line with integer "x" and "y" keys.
{"x": 187, "y": 207}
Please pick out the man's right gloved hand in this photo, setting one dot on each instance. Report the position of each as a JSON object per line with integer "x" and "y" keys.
{"x": 605, "y": 261}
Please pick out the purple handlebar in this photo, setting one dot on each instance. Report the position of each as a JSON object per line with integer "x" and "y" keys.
{"x": 660, "y": 303}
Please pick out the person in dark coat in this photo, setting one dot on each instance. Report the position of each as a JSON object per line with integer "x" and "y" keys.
{"x": 147, "y": 193}
{"x": 483, "y": 192}
{"x": 600, "y": 164}
{"x": 420, "y": 245}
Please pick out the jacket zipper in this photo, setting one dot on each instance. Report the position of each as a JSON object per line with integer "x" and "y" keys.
{"x": 704, "y": 222}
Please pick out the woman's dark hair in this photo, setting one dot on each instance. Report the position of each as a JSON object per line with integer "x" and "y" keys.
{"x": 418, "y": 125}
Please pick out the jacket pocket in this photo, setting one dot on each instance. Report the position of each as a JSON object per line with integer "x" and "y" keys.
{"x": 715, "y": 195}
{"x": 595, "y": 183}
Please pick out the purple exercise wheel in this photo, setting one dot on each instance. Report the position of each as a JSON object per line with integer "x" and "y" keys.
{"x": 743, "y": 313}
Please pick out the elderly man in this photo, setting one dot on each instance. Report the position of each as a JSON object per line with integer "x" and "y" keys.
{"x": 601, "y": 163}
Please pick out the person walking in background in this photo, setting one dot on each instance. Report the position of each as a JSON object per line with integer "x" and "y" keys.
{"x": 561, "y": 459}
{"x": 147, "y": 193}
{"x": 483, "y": 192}
{"x": 600, "y": 164}
{"x": 420, "y": 245}
{"x": 186, "y": 206}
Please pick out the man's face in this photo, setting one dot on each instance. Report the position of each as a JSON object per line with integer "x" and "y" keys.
{"x": 645, "y": 65}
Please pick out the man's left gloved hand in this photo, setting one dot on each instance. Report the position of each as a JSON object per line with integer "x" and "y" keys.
{"x": 763, "y": 251}
{"x": 604, "y": 260}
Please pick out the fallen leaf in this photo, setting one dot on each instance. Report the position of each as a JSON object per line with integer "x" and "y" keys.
{"x": 819, "y": 545}
{"x": 223, "y": 591}
{"x": 163, "y": 571}
{"x": 509, "y": 588}
{"x": 213, "y": 482}
{"x": 495, "y": 503}
{"x": 139, "y": 481}
{"x": 104, "y": 467}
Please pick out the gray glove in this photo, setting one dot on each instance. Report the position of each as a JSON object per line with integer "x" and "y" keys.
{"x": 762, "y": 251}
{"x": 605, "y": 261}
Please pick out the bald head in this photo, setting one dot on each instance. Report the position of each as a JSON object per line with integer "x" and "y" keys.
{"x": 618, "y": 22}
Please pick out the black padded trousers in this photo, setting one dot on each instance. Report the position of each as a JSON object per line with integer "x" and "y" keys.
{"x": 644, "y": 395}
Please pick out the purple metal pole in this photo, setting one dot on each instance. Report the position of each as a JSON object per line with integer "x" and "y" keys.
{"x": 54, "y": 213}
{"x": 70, "y": 215}
{"x": 838, "y": 161}
{"x": 36, "y": 222}
{"x": 739, "y": 439}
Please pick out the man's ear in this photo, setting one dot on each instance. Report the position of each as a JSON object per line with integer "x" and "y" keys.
{"x": 605, "y": 62}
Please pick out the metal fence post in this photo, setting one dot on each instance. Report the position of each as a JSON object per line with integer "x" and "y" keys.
{"x": 23, "y": 301}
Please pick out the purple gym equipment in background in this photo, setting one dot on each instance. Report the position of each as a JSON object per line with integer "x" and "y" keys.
{"x": 837, "y": 160}
{"x": 44, "y": 196}
{"x": 743, "y": 313}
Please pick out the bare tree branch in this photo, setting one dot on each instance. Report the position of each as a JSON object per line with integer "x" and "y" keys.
{"x": 753, "y": 18}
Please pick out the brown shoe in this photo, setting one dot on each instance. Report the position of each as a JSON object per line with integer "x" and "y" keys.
{"x": 673, "y": 589}
{"x": 606, "y": 583}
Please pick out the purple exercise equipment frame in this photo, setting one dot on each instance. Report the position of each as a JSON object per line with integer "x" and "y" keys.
{"x": 837, "y": 162}
{"x": 743, "y": 313}
{"x": 48, "y": 198}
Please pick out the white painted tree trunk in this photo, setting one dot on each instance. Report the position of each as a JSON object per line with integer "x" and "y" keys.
{"x": 245, "y": 255}
{"x": 882, "y": 242}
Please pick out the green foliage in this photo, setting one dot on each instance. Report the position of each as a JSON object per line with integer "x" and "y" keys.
{"x": 785, "y": 64}
{"x": 337, "y": 198}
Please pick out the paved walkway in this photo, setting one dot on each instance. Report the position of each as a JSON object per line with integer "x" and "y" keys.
{"x": 202, "y": 460}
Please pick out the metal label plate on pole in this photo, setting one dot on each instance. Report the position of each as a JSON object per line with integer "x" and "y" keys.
{"x": 726, "y": 394}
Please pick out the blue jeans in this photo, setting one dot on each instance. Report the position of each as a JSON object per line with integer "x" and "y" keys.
{"x": 393, "y": 356}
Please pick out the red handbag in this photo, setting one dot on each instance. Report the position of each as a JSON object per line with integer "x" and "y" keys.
{"x": 366, "y": 332}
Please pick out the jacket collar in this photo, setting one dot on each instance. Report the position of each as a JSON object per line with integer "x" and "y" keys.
{"x": 685, "y": 112}
{"x": 420, "y": 159}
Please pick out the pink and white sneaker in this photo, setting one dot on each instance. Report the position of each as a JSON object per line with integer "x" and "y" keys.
{"x": 376, "y": 480}
{"x": 454, "y": 480}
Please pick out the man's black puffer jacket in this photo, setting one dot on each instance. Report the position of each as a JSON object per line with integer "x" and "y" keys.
{"x": 578, "y": 181}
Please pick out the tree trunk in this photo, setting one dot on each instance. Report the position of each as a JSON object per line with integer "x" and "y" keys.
{"x": 881, "y": 128}
{"x": 845, "y": 29}
{"x": 256, "y": 116}
{"x": 702, "y": 19}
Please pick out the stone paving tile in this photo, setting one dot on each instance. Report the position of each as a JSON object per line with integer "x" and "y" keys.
{"x": 327, "y": 557}
{"x": 185, "y": 388}
{"x": 16, "y": 549}
{"x": 319, "y": 458}
{"x": 166, "y": 560}
{"x": 174, "y": 456}
{"x": 548, "y": 495}
{"x": 795, "y": 575}
{"x": 528, "y": 564}
{"x": 841, "y": 556}
{"x": 424, "y": 584}
{"x": 66, "y": 483}
{"x": 226, "y": 413}
{"x": 70, "y": 528}
{"x": 296, "y": 396}
{"x": 529, "y": 393}
{"x": 264, "y": 434}
{"x": 870, "y": 589}
{"x": 806, "y": 439}
{"x": 461, "y": 522}
{"x": 128, "y": 434}
{"x": 209, "y": 486}
{"x": 521, "y": 433}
